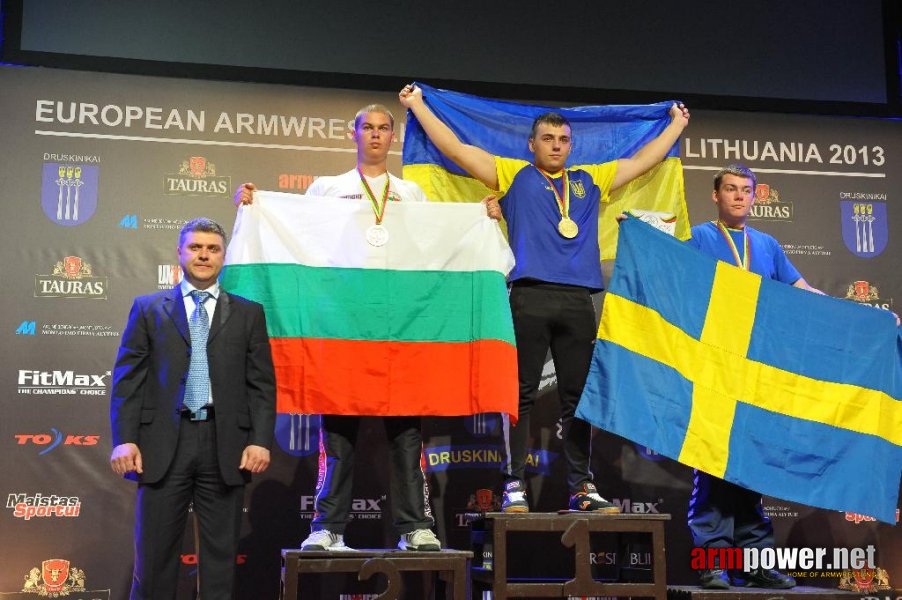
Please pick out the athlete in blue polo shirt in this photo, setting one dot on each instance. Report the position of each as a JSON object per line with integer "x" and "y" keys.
{"x": 552, "y": 217}
{"x": 722, "y": 514}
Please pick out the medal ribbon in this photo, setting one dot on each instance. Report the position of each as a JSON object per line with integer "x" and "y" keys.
{"x": 747, "y": 252}
{"x": 563, "y": 204}
{"x": 378, "y": 209}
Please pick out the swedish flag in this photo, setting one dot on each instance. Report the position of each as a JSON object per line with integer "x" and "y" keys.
{"x": 600, "y": 134}
{"x": 776, "y": 389}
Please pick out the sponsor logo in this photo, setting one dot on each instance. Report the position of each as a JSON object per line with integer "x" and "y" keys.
{"x": 775, "y": 511}
{"x": 298, "y": 435}
{"x": 168, "y": 276}
{"x": 295, "y": 181}
{"x": 72, "y": 277}
{"x": 768, "y": 206}
{"x": 443, "y": 458}
{"x": 27, "y": 507}
{"x": 26, "y": 328}
{"x": 136, "y": 222}
{"x": 55, "y": 578}
{"x": 129, "y": 222}
{"x": 481, "y": 501}
{"x": 65, "y": 383}
{"x": 69, "y": 191}
{"x": 865, "y": 580}
{"x": 66, "y": 329}
{"x": 864, "y": 227}
{"x": 864, "y": 292}
{"x": 482, "y": 424}
{"x": 859, "y": 518}
{"x": 647, "y": 453}
{"x": 196, "y": 177}
{"x": 630, "y": 506}
{"x": 49, "y": 441}
{"x": 361, "y": 508}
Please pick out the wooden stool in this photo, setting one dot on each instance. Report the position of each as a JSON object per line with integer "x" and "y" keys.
{"x": 449, "y": 565}
{"x": 575, "y": 528}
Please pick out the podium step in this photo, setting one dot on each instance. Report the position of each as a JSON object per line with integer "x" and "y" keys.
{"x": 449, "y": 565}
{"x": 801, "y": 592}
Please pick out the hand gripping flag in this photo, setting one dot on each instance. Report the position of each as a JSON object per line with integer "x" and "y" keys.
{"x": 600, "y": 134}
{"x": 418, "y": 326}
{"x": 776, "y": 389}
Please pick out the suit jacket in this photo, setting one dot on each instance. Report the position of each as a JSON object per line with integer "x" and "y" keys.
{"x": 152, "y": 367}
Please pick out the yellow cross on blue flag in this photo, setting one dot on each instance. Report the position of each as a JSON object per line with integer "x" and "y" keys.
{"x": 779, "y": 390}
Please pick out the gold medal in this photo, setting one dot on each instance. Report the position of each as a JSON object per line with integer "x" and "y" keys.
{"x": 568, "y": 228}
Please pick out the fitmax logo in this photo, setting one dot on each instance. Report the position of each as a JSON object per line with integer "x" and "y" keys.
{"x": 629, "y": 506}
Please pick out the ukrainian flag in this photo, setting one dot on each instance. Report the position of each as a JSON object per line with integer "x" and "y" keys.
{"x": 600, "y": 134}
{"x": 776, "y": 389}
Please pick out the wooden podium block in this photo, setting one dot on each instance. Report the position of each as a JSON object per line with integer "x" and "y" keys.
{"x": 575, "y": 528}
{"x": 449, "y": 565}
{"x": 801, "y": 592}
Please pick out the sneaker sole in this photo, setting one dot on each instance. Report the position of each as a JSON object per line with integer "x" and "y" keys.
{"x": 515, "y": 509}
{"x": 603, "y": 511}
{"x": 429, "y": 548}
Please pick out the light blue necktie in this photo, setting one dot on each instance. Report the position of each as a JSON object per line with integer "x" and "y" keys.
{"x": 197, "y": 387}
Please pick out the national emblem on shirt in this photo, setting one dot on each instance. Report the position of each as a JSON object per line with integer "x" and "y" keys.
{"x": 577, "y": 188}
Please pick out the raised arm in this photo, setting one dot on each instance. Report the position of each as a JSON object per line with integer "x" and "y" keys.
{"x": 654, "y": 151}
{"x": 475, "y": 161}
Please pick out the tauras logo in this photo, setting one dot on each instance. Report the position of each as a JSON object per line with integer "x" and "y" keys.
{"x": 71, "y": 278}
{"x": 627, "y": 505}
{"x": 197, "y": 177}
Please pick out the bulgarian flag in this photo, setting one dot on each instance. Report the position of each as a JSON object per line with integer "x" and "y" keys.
{"x": 417, "y": 326}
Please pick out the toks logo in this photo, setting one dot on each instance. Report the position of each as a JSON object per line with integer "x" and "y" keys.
{"x": 71, "y": 278}
{"x": 29, "y": 507}
{"x": 53, "y": 439}
{"x": 196, "y": 177}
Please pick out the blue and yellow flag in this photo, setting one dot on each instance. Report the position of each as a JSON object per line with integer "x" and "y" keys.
{"x": 776, "y": 389}
{"x": 600, "y": 134}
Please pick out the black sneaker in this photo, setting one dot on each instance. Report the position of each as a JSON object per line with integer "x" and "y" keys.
{"x": 586, "y": 499}
{"x": 764, "y": 578}
{"x": 514, "y": 500}
{"x": 714, "y": 579}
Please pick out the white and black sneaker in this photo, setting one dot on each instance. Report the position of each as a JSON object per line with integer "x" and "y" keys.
{"x": 323, "y": 539}
{"x": 420, "y": 540}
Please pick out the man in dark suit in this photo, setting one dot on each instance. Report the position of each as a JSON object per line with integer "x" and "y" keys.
{"x": 193, "y": 413}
